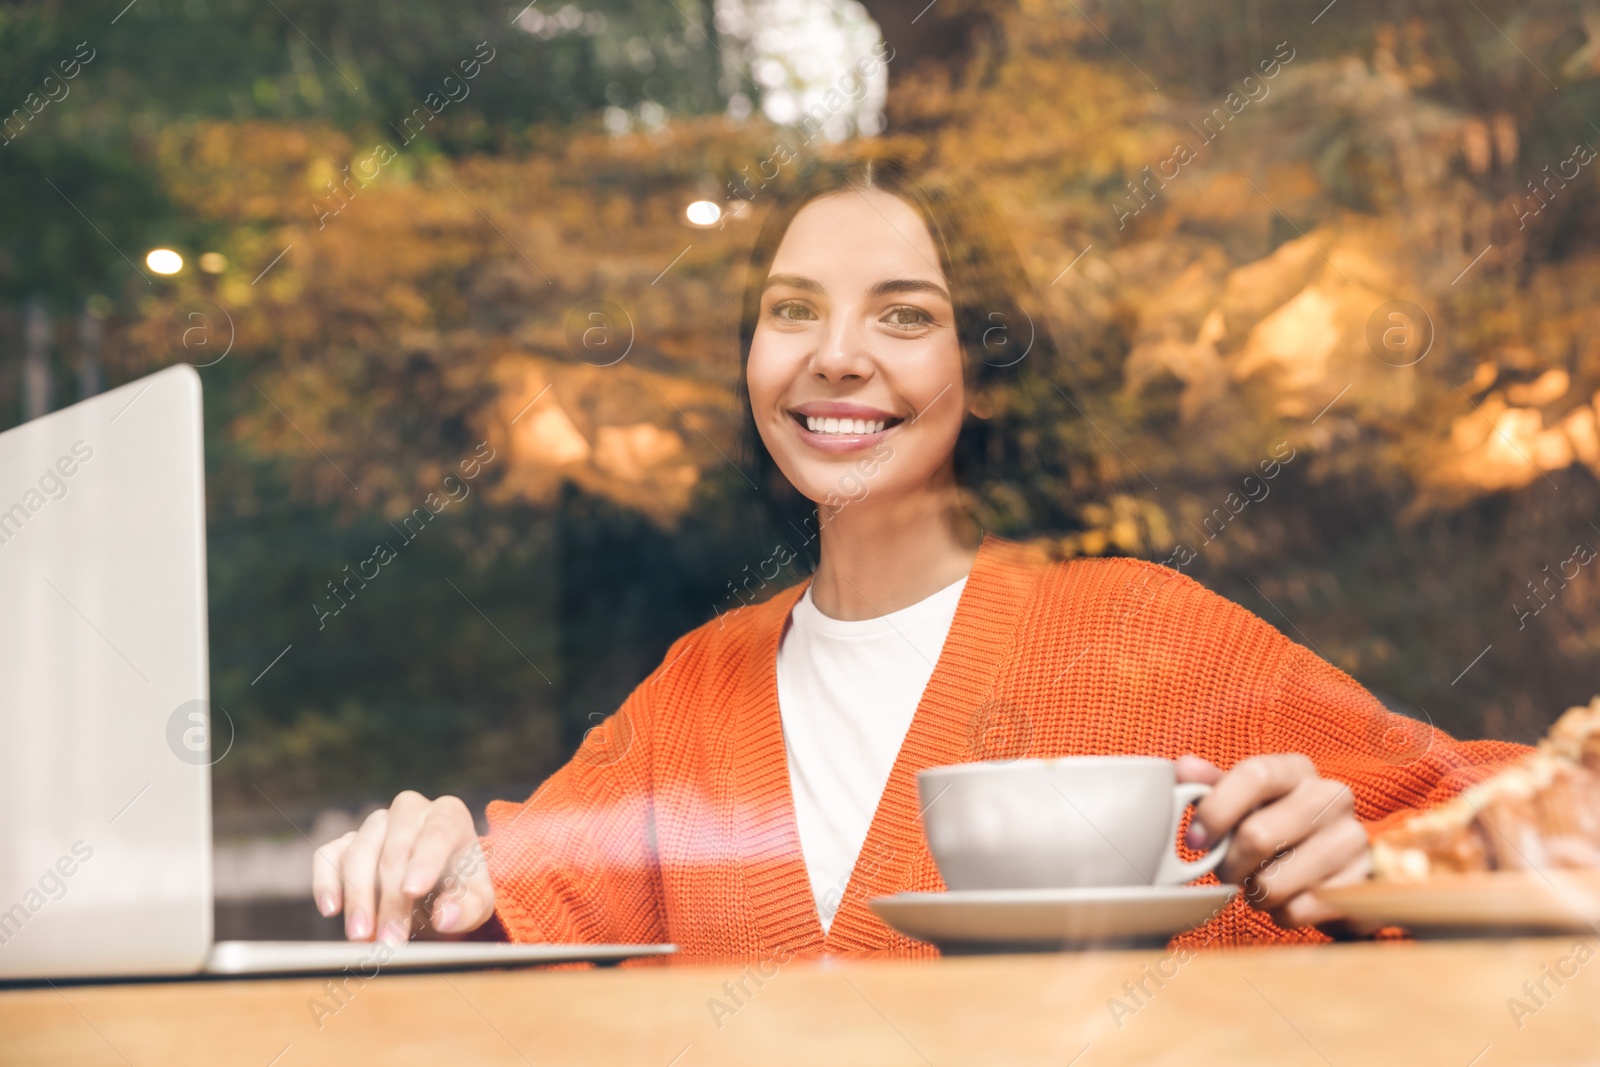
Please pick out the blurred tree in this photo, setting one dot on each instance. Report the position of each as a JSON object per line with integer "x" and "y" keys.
{"x": 85, "y": 88}
{"x": 1218, "y": 308}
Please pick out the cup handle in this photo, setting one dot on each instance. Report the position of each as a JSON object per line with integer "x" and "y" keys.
{"x": 1174, "y": 871}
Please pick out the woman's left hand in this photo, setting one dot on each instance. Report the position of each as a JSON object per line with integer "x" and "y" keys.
{"x": 1293, "y": 831}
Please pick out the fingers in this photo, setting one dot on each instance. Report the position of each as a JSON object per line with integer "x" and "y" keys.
{"x": 1357, "y": 870}
{"x": 359, "y": 871}
{"x": 437, "y": 841}
{"x": 1284, "y": 885}
{"x": 1313, "y": 804}
{"x": 467, "y": 899}
{"x": 1251, "y": 783}
{"x": 1308, "y": 909}
{"x": 444, "y": 852}
{"x": 327, "y": 882}
{"x": 1293, "y": 832}
{"x": 1305, "y": 910}
{"x": 407, "y": 814}
{"x": 400, "y": 854}
{"x": 1194, "y": 769}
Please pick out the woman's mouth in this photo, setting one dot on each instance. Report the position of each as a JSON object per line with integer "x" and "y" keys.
{"x": 843, "y": 426}
{"x": 843, "y": 429}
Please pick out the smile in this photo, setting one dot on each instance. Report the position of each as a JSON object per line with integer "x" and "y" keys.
{"x": 841, "y": 427}
{"x": 844, "y": 426}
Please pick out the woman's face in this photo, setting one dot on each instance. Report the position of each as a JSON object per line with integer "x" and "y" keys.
{"x": 855, "y": 370}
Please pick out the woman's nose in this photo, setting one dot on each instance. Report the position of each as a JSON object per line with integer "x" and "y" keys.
{"x": 843, "y": 352}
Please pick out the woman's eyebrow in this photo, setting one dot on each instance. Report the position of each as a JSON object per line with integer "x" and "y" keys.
{"x": 795, "y": 281}
{"x": 909, "y": 285}
{"x": 883, "y": 288}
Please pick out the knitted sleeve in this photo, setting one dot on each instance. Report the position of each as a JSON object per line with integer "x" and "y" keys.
{"x": 577, "y": 861}
{"x": 1393, "y": 764}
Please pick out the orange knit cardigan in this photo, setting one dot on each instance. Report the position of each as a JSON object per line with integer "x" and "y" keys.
{"x": 674, "y": 820}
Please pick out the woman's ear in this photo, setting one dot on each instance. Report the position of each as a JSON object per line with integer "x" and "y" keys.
{"x": 980, "y": 406}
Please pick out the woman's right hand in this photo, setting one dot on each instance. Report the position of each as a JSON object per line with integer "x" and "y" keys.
{"x": 403, "y": 854}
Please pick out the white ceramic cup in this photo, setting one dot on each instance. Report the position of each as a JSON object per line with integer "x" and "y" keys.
{"x": 1060, "y": 823}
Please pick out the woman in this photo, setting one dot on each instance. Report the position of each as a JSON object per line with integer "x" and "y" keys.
{"x": 758, "y": 788}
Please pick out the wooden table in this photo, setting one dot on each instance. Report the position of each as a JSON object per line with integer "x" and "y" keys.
{"x": 1347, "y": 1004}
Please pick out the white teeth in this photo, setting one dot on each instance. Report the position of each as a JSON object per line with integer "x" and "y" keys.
{"x": 844, "y": 426}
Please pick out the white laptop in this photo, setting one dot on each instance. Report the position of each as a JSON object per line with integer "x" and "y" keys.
{"x": 105, "y": 778}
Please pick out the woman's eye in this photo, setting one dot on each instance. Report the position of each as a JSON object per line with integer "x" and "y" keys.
{"x": 908, "y": 316}
{"x": 791, "y": 311}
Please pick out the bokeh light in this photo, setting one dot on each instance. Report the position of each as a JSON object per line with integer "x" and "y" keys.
{"x": 163, "y": 261}
{"x": 703, "y": 213}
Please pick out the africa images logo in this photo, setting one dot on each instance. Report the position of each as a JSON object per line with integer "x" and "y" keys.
{"x": 52, "y": 485}
{"x": 190, "y": 736}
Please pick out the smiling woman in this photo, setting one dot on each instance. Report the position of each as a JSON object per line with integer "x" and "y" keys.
{"x": 971, "y": 344}
{"x": 886, "y": 318}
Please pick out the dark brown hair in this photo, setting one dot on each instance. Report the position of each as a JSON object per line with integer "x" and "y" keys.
{"x": 1008, "y": 351}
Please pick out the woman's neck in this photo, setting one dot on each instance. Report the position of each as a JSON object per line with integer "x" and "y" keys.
{"x": 879, "y": 556}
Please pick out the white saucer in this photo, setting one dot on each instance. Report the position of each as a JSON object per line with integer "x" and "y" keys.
{"x": 1012, "y": 920}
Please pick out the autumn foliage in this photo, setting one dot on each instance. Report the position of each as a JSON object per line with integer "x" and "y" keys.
{"x": 1340, "y": 251}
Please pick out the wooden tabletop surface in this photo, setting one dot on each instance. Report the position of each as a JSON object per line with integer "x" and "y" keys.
{"x": 1453, "y": 1003}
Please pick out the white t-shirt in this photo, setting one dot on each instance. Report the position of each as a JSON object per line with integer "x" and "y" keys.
{"x": 846, "y": 693}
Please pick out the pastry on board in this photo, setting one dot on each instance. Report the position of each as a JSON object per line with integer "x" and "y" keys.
{"x": 1543, "y": 812}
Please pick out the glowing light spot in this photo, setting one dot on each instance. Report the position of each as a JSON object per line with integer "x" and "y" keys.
{"x": 703, "y": 213}
{"x": 164, "y": 261}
